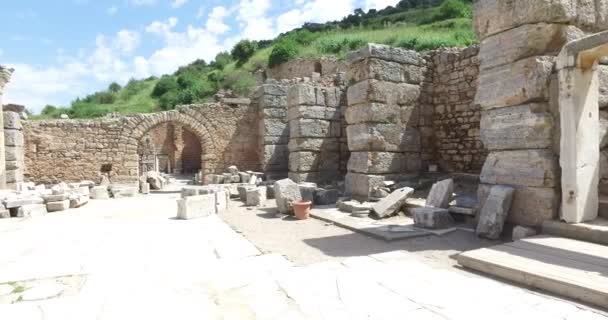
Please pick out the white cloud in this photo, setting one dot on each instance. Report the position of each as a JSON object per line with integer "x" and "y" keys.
{"x": 143, "y": 2}
{"x": 113, "y": 10}
{"x": 314, "y": 11}
{"x": 253, "y": 20}
{"x": 178, "y": 3}
{"x": 215, "y": 23}
{"x": 127, "y": 41}
{"x": 379, "y": 4}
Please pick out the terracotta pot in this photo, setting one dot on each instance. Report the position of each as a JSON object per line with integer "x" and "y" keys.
{"x": 301, "y": 209}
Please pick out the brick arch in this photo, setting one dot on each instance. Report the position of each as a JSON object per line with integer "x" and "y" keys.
{"x": 139, "y": 125}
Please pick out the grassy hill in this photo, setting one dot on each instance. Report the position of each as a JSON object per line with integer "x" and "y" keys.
{"x": 413, "y": 24}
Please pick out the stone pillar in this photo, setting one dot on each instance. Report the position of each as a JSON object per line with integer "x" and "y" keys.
{"x": 315, "y": 129}
{"x": 178, "y": 142}
{"x": 383, "y": 116}
{"x": 271, "y": 99}
{"x": 14, "y": 144}
{"x": 5, "y": 75}
{"x": 519, "y": 42}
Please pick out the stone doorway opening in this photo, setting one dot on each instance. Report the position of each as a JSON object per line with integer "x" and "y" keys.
{"x": 170, "y": 148}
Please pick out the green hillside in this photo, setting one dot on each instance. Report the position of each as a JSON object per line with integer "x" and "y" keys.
{"x": 413, "y": 24}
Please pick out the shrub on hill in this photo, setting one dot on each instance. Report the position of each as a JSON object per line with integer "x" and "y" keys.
{"x": 283, "y": 51}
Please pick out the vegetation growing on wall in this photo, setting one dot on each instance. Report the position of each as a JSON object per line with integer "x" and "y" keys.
{"x": 412, "y": 24}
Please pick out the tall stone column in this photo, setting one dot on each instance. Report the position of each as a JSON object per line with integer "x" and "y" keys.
{"x": 178, "y": 142}
{"x": 5, "y": 75}
{"x": 271, "y": 99}
{"x": 519, "y": 43}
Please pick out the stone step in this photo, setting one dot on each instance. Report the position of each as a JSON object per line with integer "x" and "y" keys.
{"x": 566, "y": 267}
{"x": 595, "y": 231}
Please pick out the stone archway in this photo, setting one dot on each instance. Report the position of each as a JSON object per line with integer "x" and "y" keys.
{"x": 579, "y": 113}
{"x": 140, "y": 125}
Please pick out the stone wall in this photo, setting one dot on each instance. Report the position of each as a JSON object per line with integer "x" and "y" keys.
{"x": 5, "y": 76}
{"x": 301, "y": 68}
{"x": 452, "y": 79}
{"x": 13, "y": 142}
{"x": 384, "y": 117}
{"x": 74, "y": 150}
{"x": 314, "y": 115}
{"x": 271, "y": 101}
{"x": 519, "y": 125}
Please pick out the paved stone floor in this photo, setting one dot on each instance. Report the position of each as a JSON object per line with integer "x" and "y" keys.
{"x": 128, "y": 259}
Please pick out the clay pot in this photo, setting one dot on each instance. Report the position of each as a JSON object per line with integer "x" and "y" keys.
{"x": 301, "y": 209}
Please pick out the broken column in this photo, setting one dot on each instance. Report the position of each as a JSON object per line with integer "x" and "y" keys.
{"x": 14, "y": 142}
{"x": 5, "y": 75}
{"x": 382, "y": 116}
{"x": 273, "y": 130}
{"x": 519, "y": 42}
{"x": 314, "y": 123}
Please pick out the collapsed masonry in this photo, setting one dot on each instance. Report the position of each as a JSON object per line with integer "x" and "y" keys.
{"x": 490, "y": 110}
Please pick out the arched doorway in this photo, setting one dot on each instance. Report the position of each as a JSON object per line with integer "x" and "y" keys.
{"x": 169, "y": 147}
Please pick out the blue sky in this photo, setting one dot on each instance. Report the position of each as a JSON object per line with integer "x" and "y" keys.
{"x": 63, "y": 49}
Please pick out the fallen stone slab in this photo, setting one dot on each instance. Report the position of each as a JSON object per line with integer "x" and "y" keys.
{"x": 60, "y": 188}
{"x": 441, "y": 194}
{"x": 196, "y": 207}
{"x": 495, "y": 211}
{"x": 521, "y": 232}
{"x": 55, "y": 197}
{"x": 256, "y": 197}
{"x": 432, "y": 218}
{"x": 463, "y": 211}
{"x": 18, "y": 202}
{"x": 286, "y": 192}
{"x": 100, "y": 193}
{"x": 85, "y": 191}
{"x": 78, "y": 201}
{"x": 391, "y": 204}
{"x": 58, "y": 206}
{"x": 123, "y": 191}
{"x": 31, "y": 210}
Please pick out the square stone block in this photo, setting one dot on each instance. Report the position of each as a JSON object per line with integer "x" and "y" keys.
{"x": 12, "y": 120}
{"x": 305, "y": 94}
{"x": 274, "y": 113}
{"x": 382, "y": 137}
{"x": 383, "y": 162}
{"x": 313, "y": 128}
{"x": 276, "y": 154}
{"x": 274, "y": 127}
{"x": 516, "y": 83}
{"x": 196, "y": 207}
{"x": 360, "y": 186}
{"x": 58, "y": 206}
{"x": 373, "y": 68}
{"x": 311, "y": 144}
{"x": 387, "y": 53}
{"x": 313, "y": 161}
{"x": 310, "y": 112}
{"x": 384, "y": 92}
{"x": 528, "y": 126}
{"x": 532, "y": 168}
{"x": 315, "y": 176}
{"x": 272, "y": 90}
{"x": 13, "y": 138}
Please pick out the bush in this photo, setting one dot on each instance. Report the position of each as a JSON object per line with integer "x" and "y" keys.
{"x": 243, "y": 50}
{"x": 168, "y": 101}
{"x": 132, "y": 88}
{"x": 222, "y": 59}
{"x": 241, "y": 83}
{"x": 452, "y": 9}
{"x": 49, "y": 110}
{"x": 114, "y": 87}
{"x": 164, "y": 85}
{"x": 337, "y": 46}
{"x": 282, "y": 52}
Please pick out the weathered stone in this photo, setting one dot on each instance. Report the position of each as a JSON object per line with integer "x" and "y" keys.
{"x": 532, "y": 168}
{"x": 55, "y": 197}
{"x": 325, "y": 197}
{"x": 100, "y": 193}
{"x": 87, "y": 183}
{"x": 307, "y": 190}
{"x": 12, "y": 120}
{"x": 18, "y": 202}
{"x": 517, "y": 83}
{"x": 360, "y": 185}
{"x": 313, "y": 128}
{"x": 31, "y": 210}
{"x": 256, "y": 197}
{"x": 374, "y": 113}
{"x": 531, "y": 206}
{"x": 211, "y": 179}
{"x": 303, "y": 94}
{"x": 432, "y": 218}
{"x": 494, "y": 16}
{"x": 441, "y": 194}
{"x": 346, "y": 205}
{"x": 124, "y": 191}
{"x": 383, "y": 162}
{"x": 494, "y": 212}
{"x": 386, "y": 53}
{"x": 313, "y": 161}
{"x": 242, "y": 189}
{"x": 78, "y": 201}
{"x": 314, "y": 176}
{"x": 308, "y": 144}
{"x": 144, "y": 188}
{"x": 603, "y": 81}
{"x": 13, "y": 138}
{"x": 313, "y": 112}
{"x": 233, "y": 170}
{"x": 378, "y": 69}
{"x": 520, "y": 232}
{"x": 526, "y": 41}
{"x": 286, "y": 192}
{"x": 156, "y": 181}
{"x": 382, "y": 138}
{"x": 391, "y": 204}
{"x": 244, "y": 177}
{"x": 5, "y": 214}
{"x": 221, "y": 200}
{"x": 58, "y": 206}
{"x": 383, "y": 92}
{"x": 196, "y": 207}
{"x": 528, "y": 126}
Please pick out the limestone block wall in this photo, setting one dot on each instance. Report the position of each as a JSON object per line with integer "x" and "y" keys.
{"x": 74, "y": 150}
{"x": 452, "y": 79}
{"x": 314, "y": 117}
{"x": 271, "y": 101}
{"x": 13, "y": 142}
{"x": 300, "y": 68}
{"x": 519, "y": 42}
{"x": 5, "y": 76}
{"x": 384, "y": 116}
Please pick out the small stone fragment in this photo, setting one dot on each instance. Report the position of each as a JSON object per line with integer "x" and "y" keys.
{"x": 441, "y": 194}
{"x": 256, "y": 197}
{"x": 100, "y": 193}
{"x": 495, "y": 211}
{"x": 196, "y": 207}
{"x": 521, "y": 232}
{"x": 58, "y": 206}
{"x": 325, "y": 197}
{"x": 391, "y": 204}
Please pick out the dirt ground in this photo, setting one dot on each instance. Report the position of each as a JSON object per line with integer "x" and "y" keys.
{"x": 312, "y": 240}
